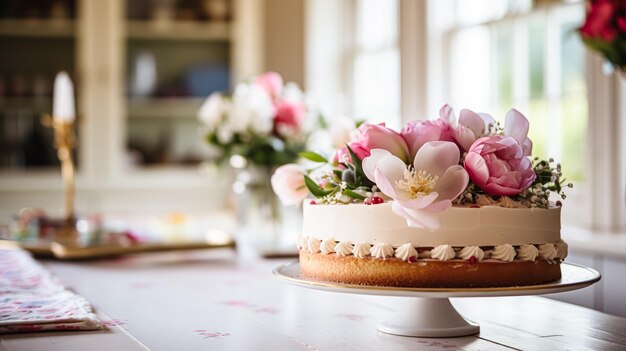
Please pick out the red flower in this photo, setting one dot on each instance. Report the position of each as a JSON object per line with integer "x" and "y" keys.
{"x": 600, "y": 22}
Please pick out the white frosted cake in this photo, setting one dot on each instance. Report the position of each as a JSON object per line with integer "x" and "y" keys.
{"x": 442, "y": 203}
{"x": 486, "y": 246}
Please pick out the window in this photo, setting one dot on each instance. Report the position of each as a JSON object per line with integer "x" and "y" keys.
{"x": 376, "y": 62}
{"x": 506, "y": 54}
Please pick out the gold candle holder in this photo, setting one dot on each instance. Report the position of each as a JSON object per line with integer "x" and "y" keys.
{"x": 64, "y": 141}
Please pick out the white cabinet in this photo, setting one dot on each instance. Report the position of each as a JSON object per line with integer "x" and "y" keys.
{"x": 101, "y": 43}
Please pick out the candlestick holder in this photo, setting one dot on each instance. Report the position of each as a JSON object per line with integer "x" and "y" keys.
{"x": 64, "y": 142}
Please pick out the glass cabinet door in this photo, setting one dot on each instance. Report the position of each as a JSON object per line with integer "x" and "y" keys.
{"x": 177, "y": 53}
{"x": 37, "y": 40}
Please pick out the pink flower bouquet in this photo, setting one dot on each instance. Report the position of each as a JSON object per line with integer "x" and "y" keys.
{"x": 428, "y": 167}
{"x": 265, "y": 121}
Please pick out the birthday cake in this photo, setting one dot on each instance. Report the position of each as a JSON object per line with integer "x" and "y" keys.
{"x": 442, "y": 204}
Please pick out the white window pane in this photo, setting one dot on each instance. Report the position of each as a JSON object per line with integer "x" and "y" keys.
{"x": 377, "y": 24}
{"x": 481, "y": 11}
{"x": 377, "y": 87}
{"x": 470, "y": 74}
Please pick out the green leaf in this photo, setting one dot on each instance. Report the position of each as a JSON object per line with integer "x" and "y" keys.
{"x": 313, "y": 156}
{"x": 356, "y": 161}
{"x": 337, "y": 173}
{"x": 353, "y": 194}
{"x": 315, "y": 189}
{"x": 361, "y": 178}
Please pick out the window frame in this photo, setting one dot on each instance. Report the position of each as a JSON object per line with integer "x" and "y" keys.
{"x": 440, "y": 40}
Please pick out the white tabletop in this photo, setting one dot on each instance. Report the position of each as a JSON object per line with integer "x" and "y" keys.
{"x": 215, "y": 300}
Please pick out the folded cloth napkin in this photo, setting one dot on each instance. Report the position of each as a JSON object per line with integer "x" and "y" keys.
{"x": 31, "y": 299}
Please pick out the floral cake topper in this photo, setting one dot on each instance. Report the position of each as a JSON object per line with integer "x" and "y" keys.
{"x": 429, "y": 166}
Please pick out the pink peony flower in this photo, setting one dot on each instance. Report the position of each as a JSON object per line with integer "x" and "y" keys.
{"x": 271, "y": 82}
{"x": 471, "y": 127}
{"x": 499, "y": 166}
{"x": 290, "y": 115}
{"x": 375, "y": 136}
{"x": 418, "y": 133}
{"x": 424, "y": 189}
{"x": 516, "y": 126}
{"x": 288, "y": 184}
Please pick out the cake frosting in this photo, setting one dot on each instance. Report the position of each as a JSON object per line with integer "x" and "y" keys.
{"x": 468, "y": 252}
{"x": 361, "y": 250}
{"x": 460, "y": 226}
{"x": 382, "y": 250}
{"x": 504, "y": 252}
{"x": 527, "y": 252}
{"x": 406, "y": 252}
{"x": 443, "y": 252}
{"x": 343, "y": 248}
{"x": 487, "y": 233}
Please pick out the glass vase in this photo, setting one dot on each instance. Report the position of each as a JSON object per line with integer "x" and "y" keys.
{"x": 265, "y": 225}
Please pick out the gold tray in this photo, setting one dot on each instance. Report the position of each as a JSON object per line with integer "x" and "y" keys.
{"x": 70, "y": 252}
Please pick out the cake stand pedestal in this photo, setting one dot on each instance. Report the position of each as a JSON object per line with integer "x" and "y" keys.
{"x": 428, "y": 317}
{"x": 427, "y": 312}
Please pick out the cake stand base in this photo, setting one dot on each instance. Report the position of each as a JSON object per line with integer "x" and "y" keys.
{"x": 429, "y": 318}
{"x": 427, "y": 312}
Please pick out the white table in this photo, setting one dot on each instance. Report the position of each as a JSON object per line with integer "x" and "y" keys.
{"x": 215, "y": 300}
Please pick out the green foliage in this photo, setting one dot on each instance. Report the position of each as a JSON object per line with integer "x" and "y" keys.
{"x": 353, "y": 194}
{"x": 357, "y": 166}
{"x": 614, "y": 52}
{"x": 315, "y": 189}
{"x": 313, "y": 156}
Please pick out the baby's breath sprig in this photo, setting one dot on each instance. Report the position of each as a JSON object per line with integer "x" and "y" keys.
{"x": 469, "y": 195}
{"x": 494, "y": 129}
{"x": 549, "y": 179}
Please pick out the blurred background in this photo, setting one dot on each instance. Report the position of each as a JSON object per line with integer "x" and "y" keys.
{"x": 142, "y": 68}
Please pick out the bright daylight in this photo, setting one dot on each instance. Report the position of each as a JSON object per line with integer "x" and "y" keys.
{"x": 312, "y": 175}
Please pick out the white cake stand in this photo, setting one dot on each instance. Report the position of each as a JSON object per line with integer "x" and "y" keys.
{"x": 428, "y": 312}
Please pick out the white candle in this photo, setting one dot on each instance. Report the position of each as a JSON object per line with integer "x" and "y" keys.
{"x": 63, "y": 101}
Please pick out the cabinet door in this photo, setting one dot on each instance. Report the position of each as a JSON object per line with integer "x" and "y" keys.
{"x": 37, "y": 40}
{"x": 177, "y": 53}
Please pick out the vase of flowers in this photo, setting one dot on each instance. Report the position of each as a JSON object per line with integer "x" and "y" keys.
{"x": 604, "y": 31}
{"x": 264, "y": 124}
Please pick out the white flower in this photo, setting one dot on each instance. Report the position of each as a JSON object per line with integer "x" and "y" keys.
{"x": 252, "y": 109}
{"x": 419, "y": 192}
{"x": 212, "y": 110}
{"x": 292, "y": 93}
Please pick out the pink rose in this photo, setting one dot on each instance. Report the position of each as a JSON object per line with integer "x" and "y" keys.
{"x": 375, "y": 136}
{"x": 271, "y": 82}
{"x": 288, "y": 184}
{"x": 497, "y": 164}
{"x": 289, "y": 116}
